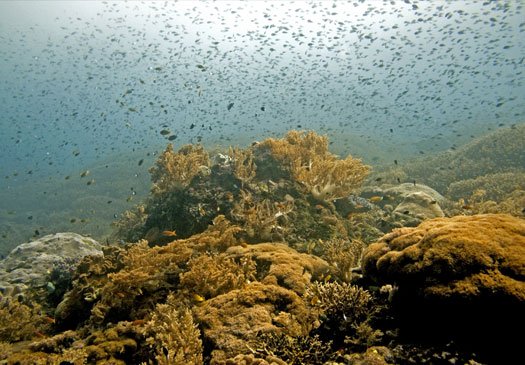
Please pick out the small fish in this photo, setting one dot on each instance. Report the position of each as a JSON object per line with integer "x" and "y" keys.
{"x": 375, "y": 199}
{"x": 198, "y": 298}
{"x": 85, "y": 173}
{"x": 141, "y": 162}
{"x": 165, "y": 132}
{"x": 172, "y": 137}
{"x": 229, "y": 106}
{"x": 395, "y": 162}
{"x": 169, "y": 233}
{"x": 90, "y": 182}
{"x": 378, "y": 179}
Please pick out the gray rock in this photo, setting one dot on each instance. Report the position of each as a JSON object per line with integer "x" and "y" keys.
{"x": 29, "y": 264}
{"x": 419, "y": 205}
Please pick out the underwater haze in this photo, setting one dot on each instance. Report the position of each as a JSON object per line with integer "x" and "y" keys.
{"x": 91, "y": 91}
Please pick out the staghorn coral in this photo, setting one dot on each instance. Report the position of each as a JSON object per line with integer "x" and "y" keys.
{"x": 346, "y": 309}
{"x": 263, "y": 220}
{"x": 462, "y": 276}
{"x": 250, "y": 359}
{"x": 172, "y": 334}
{"x": 305, "y": 155}
{"x": 175, "y": 170}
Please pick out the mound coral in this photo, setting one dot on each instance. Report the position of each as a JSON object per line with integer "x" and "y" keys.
{"x": 232, "y": 322}
{"x": 463, "y": 275}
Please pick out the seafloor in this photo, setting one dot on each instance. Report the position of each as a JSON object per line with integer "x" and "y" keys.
{"x": 284, "y": 253}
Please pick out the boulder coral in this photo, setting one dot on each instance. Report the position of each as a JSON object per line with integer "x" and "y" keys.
{"x": 464, "y": 274}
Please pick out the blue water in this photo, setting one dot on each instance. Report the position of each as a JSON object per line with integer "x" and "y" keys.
{"x": 86, "y": 83}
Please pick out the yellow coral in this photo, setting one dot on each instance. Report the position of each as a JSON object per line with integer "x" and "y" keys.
{"x": 173, "y": 170}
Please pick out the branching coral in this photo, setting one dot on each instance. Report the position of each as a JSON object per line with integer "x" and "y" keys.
{"x": 263, "y": 220}
{"x": 172, "y": 334}
{"x": 295, "y": 350}
{"x": 347, "y": 309}
{"x": 129, "y": 225}
{"x": 210, "y": 275}
{"x": 173, "y": 170}
{"x": 306, "y": 156}
{"x": 343, "y": 254}
{"x": 19, "y": 321}
{"x": 243, "y": 166}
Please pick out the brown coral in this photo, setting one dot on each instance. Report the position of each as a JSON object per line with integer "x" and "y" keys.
{"x": 466, "y": 256}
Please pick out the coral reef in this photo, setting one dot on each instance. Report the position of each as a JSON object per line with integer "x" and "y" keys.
{"x": 345, "y": 310}
{"x": 264, "y": 255}
{"x": 278, "y": 264}
{"x": 295, "y": 350}
{"x": 343, "y": 255}
{"x": 498, "y": 152}
{"x": 19, "y": 321}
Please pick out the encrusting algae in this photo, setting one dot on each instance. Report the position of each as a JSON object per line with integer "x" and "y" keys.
{"x": 244, "y": 258}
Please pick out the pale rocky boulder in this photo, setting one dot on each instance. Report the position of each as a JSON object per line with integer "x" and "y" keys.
{"x": 29, "y": 264}
{"x": 419, "y": 205}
